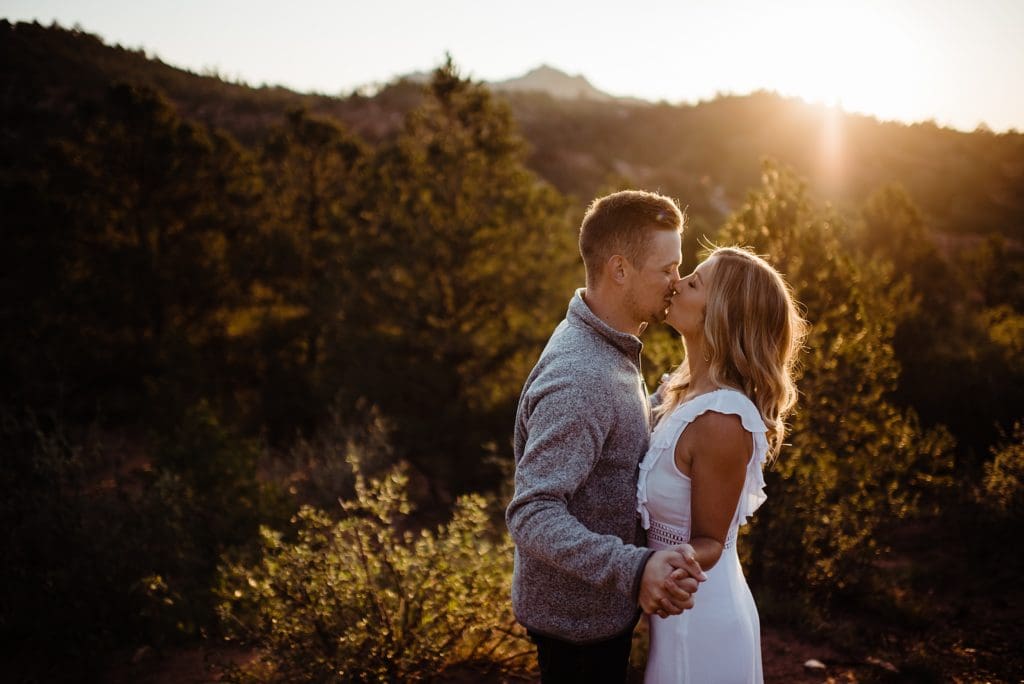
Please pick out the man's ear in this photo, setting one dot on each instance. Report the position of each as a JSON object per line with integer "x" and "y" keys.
{"x": 617, "y": 267}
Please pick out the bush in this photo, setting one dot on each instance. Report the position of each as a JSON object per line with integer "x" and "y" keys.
{"x": 68, "y": 541}
{"x": 1003, "y": 486}
{"x": 367, "y": 598}
{"x": 316, "y": 469}
{"x": 202, "y": 500}
{"x": 106, "y": 548}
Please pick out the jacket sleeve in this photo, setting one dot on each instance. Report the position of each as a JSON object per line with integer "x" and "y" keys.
{"x": 566, "y": 424}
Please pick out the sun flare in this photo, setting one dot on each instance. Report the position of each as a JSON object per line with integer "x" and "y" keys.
{"x": 855, "y": 58}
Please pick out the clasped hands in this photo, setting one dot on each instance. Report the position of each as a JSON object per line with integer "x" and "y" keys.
{"x": 670, "y": 580}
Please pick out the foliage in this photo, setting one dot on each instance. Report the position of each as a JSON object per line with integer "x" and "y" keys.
{"x": 474, "y": 263}
{"x": 961, "y": 324}
{"x": 316, "y": 470}
{"x": 854, "y": 460}
{"x": 102, "y": 552}
{"x": 1003, "y": 487}
{"x": 368, "y": 598}
{"x": 311, "y": 252}
{"x": 55, "y": 531}
{"x": 221, "y": 500}
{"x": 141, "y": 212}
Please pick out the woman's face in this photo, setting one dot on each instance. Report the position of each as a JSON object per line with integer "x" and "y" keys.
{"x": 686, "y": 315}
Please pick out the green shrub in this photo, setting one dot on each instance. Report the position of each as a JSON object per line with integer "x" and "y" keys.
{"x": 368, "y": 598}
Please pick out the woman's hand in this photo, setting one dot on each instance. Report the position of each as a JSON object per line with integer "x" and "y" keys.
{"x": 670, "y": 580}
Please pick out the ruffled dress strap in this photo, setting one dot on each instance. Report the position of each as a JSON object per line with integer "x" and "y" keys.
{"x": 670, "y": 427}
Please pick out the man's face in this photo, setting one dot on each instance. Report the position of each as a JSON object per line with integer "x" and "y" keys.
{"x": 652, "y": 281}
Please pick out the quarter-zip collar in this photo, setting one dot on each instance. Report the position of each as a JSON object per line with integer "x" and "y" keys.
{"x": 580, "y": 315}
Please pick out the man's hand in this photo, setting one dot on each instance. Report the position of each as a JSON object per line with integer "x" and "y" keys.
{"x": 669, "y": 581}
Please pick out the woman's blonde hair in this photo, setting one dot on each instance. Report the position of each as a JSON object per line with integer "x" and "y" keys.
{"x": 752, "y": 332}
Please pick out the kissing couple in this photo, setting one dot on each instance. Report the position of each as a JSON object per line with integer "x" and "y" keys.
{"x": 626, "y": 502}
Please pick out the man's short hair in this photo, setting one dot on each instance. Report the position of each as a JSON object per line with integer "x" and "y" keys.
{"x": 622, "y": 223}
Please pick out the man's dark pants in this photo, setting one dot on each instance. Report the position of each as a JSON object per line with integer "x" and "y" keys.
{"x": 562, "y": 662}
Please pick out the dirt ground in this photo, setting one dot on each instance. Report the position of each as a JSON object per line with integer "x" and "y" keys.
{"x": 784, "y": 658}
{"x": 948, "y": 608}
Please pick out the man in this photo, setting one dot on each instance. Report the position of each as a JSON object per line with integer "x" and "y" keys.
{"x": 582, "y": 427}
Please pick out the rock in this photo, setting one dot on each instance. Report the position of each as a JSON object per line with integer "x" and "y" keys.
{"x": 878, "y": 662}
{"x": 141, "y": 654}
{"x": 814, "y": 665}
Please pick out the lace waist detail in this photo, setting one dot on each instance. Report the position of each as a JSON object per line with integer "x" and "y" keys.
{"x": 666, "y": 534}
{"x": 670, "y": 535}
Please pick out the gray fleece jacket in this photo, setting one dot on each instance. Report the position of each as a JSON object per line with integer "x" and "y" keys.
{"x": 582, "y": 426}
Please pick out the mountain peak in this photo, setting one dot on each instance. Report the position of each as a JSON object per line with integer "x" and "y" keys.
{"x": 555, "y": 82}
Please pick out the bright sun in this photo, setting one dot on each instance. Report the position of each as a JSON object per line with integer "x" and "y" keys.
{"x": 851, "y": 56}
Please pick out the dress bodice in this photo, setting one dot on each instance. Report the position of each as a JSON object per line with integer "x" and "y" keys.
{"x": 663, "y": 492}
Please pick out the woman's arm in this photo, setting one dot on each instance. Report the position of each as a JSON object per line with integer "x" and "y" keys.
{"x": 713, "y": 451}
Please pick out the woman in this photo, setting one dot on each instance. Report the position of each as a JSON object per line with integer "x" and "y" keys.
{"x": 721, "y": 416}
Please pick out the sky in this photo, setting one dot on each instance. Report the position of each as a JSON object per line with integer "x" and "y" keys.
{"x": 957, "y": 62}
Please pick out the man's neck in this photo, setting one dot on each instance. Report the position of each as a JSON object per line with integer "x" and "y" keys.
{"x": 611, "y": 311}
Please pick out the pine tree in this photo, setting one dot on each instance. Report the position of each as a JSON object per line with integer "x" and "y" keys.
{"x": 312, "y": 238}
{"x": 853, "y": 460}
{"x": 145, "y": 213}
{"x": 476, "y": 261}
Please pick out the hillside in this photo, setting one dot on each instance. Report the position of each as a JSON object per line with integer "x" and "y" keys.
{"x": 706, "y": 154}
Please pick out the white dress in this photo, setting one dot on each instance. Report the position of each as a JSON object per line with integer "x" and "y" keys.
{"x": 719, "y": 639}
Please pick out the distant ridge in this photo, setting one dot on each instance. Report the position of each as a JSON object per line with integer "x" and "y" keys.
{"x": 417, "y": 77}
{"x": 554, "y": 82}
{"x": 543, "y": 79}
